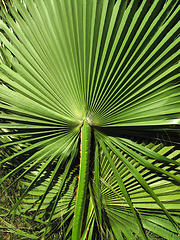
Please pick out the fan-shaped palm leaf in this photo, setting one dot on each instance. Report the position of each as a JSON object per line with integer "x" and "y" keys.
{"x": 98, "y": 77}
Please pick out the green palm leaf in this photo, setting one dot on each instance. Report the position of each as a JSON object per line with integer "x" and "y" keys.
{"x": 99, "y": 77}
{"x": 117, "y": 207}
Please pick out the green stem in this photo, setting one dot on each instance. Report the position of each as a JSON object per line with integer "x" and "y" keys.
{"x": 83, "y": 180}
{"x": 97, "y": 188}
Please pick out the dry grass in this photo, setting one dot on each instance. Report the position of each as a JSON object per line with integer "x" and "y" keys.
{"x": 8, "y": 197}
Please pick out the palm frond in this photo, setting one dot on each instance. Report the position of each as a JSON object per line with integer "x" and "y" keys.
{"x": 146, "y": 206}
{"x": 107, "y": 71}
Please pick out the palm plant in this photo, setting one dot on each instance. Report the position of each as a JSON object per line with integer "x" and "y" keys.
{"x": 90, "y": 112}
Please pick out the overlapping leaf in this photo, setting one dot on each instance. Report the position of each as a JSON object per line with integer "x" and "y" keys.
{"x": 116, "y": 205}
